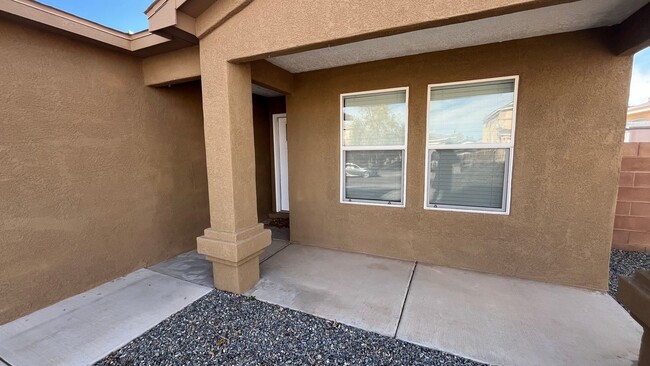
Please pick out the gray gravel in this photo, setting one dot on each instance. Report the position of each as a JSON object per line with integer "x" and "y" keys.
{"x": 226, "y": 329}
{"x": 624, "y": 264}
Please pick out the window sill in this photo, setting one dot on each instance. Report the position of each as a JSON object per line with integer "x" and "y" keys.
{"x": 361, "y": 203}
{"x": 468, "y": 210}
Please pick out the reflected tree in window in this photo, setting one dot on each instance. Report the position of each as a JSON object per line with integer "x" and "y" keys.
{"x": 374, "y": 145}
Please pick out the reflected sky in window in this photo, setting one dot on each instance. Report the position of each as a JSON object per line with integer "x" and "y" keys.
{"x": 461, "y": 120}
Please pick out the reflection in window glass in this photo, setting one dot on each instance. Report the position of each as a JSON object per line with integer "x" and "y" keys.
{"x": 470, "y": 142}
{"x": 470, "y": 178}
{"x": 478, "y": 113}
{"x": 376, "y": 119}
{"x": 373, "y": 147}
{"x": 374, "y": 175}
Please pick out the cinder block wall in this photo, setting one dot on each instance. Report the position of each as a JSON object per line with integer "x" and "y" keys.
{"x": 632, "y": 223}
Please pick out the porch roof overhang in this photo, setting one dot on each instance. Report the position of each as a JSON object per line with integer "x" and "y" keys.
{"x": 633, "y": 34}
{"x": 178, "y": 24}
{"x": 629, "y": 21}
{"x": 626, "y": 19}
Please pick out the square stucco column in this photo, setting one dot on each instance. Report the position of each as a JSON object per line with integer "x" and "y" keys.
{"x": 235, "y": 239}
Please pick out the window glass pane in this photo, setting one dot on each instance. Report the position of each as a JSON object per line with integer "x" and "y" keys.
{"x": 376, "y": 119}
{"x": 471, "y": 178}
{"x": 374, "y": 175}
{"x": 471, "y": 113}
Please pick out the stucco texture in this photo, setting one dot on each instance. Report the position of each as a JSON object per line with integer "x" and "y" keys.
{"x": 172, "y": 67}
{"x": 100, "y": 175}
{"x": 273, "y": 27}
{"x": 570, "y": 124}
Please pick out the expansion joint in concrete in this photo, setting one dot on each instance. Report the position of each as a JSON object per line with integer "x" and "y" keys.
{"x": 406, "y": 295}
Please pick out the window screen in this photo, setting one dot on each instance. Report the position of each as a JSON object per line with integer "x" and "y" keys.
{"x": 470, "y": 144}
{"x": 373, "y": 145}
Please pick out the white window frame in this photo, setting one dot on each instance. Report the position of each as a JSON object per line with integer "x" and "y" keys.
{"x": 344, "y": 148}
{"x": 507, "y": 191}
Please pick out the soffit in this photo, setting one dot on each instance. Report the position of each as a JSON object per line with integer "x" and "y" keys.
{"x": 265, "y": 92}
{"x": 194, "y": 8}
{"x": 567, "y": 17}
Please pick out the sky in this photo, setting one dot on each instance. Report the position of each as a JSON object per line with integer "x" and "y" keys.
{"x": 464, "y": 115}
{"x": 640, "y": 88}
{"x": 123, "y": 15}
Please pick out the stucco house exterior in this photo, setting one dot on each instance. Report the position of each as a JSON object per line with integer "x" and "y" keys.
{"x": 482, "y": 135}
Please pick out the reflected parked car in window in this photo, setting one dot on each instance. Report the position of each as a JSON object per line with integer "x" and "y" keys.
{"x": 353, "y": 170}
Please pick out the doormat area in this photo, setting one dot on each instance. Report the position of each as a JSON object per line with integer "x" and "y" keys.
{"x": 279, "y": 223}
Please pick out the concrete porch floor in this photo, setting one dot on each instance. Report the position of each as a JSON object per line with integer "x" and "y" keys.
{"x": 487, "y": 318}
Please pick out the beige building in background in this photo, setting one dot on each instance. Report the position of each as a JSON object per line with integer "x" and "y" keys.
{"x": 498, "y": 125}
{"x": 118, "y": 150}
{"x": 637, "y": 128}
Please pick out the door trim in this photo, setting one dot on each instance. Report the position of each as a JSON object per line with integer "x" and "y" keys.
{"x": 276, "y": 161}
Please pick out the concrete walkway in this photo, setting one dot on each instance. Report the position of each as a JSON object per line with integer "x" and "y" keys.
{"x": 487, "y": 318}
{"x": 507, "y": 321}
{"x": 359, "y": 290}
{"x": 84, "y": 328}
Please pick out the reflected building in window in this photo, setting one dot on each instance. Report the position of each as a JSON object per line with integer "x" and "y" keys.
{"x": 470, "y": 143}
{"x": 637, "y": 128}
{"x": 497, "y": 128}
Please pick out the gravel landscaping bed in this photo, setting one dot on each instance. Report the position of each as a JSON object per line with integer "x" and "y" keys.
{"x": 624, "y": 263}
{"x": 226, "y": 329}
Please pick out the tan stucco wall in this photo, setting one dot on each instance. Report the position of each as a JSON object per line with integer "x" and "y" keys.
{"x": 172, "y": 67}
{"x": 570, "y": 123}
{"x": 272, "y": 77}
{"x": 100, "y": 175}
{"x": 271, "y": 27}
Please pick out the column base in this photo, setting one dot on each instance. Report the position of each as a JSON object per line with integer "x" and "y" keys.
{"x": 235, "y": 256}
